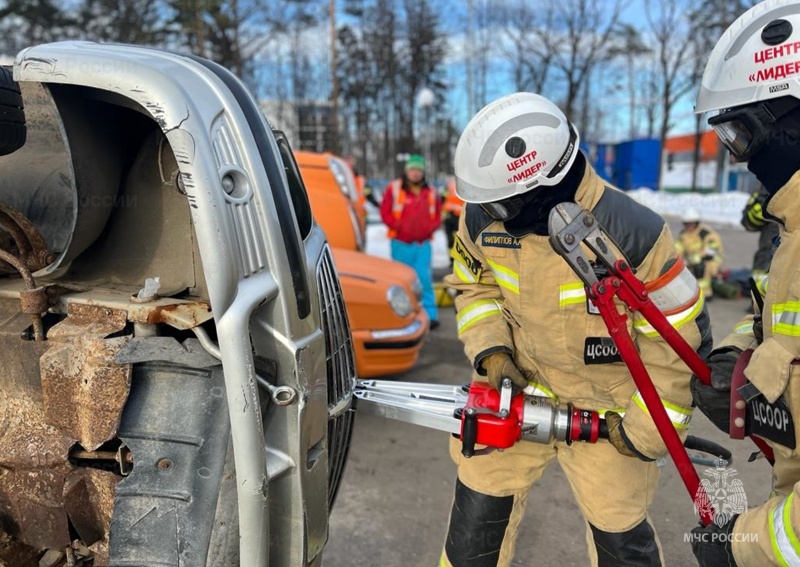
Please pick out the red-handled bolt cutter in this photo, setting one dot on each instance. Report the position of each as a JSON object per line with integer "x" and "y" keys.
{"x": 570, "y": 226}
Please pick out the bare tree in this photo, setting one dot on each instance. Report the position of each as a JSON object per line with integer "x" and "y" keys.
{"x": 422, "y": 59}
{"x": 630, "y": 47}
{"x": 531, "y": 55}
{"x": 382, "y": 39}
{"x": 649, "y": 88}
{"x": 671, "y": 32}
{"x": 481, "y": 50}
{"x": 230, "y": 32}
{"x": 358, "y": 88}
{"x": 710, "y": 19}
{"x": 583, "y": 30}
{"x": 125, "y": 21}
{"x": 28, "y": 22}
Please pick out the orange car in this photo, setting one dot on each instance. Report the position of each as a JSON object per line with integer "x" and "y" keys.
{"x": 382, "y": 297}
{"x": 386, "y": 319}
{"x": 334, "y": 195}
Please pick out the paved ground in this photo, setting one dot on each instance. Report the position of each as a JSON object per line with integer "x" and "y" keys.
{"x": 393, "y": 507}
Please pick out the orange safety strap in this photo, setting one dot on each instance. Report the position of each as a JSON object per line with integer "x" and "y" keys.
{"x": 453, "y": 204}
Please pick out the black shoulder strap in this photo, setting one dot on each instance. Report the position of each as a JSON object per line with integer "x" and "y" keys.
{"x": 477, "y": 220}
{"x": 633, "y": 227}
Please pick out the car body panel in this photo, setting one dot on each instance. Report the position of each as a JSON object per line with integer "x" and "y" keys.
{"x": 330, "y": 199}
{"x": 365, "y": 282}
{"x": 273, "y": 293}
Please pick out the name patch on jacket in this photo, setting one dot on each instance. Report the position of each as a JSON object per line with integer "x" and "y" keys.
{"x": 771, "y": 421}
{"x": 600, "y": 350}
{"x": 500, "y": 240}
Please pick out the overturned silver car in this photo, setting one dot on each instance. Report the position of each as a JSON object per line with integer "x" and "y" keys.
{"x": 176, "y": 367}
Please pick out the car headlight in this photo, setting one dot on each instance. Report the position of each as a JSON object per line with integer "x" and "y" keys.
{"x": 399, "y": 301}
{"x": 416, "y": 287}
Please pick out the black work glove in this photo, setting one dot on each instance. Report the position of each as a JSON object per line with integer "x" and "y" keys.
{"x": 697, "y": 270}
{"x": 715, "y": 400}
{"x": 758, "y": 328}
{"x": 711, "y": 545}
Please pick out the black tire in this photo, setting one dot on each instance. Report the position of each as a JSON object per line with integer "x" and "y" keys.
{"x": 12, "y": 115}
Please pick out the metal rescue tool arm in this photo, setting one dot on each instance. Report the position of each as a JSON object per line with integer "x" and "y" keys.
{"x": 479, "y": 415}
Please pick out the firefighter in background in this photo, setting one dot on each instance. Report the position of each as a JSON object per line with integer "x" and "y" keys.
{"x": 756, "y": 114}
{"x": 453, "y": 205}
{"x": 701, "y": 249}
{"x": 524, "y": 314}
{"x": 412, "y": 210}
{"x": 753, "y": 221}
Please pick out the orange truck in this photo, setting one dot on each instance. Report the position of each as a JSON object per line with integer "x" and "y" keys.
{"x": 382, "y": 297}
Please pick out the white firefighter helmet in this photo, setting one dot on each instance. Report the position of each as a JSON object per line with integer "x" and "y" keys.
{"x": 757, "y": 60}
{"x": 690, "y": 215}
{"x": 514, "y": 144}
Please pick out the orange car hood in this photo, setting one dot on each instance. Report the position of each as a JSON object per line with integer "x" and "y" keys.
{"x": 362, "y": 265}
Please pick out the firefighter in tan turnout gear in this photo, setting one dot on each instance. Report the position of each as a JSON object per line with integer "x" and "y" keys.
{"x": 701, "y": 248}
{"x": 524, "y": 314}
{"x": 752, "y": 89}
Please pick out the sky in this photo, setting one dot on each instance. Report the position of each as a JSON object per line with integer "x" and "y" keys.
{"x": 613, "y": 102}
{"x": 453, "y": 21}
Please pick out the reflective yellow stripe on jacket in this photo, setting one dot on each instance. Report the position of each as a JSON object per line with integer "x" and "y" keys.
{"x": 786, "y": 319}
{"x": 744, "y": 328}
{"x": 477, "y": 311}
{"x": 571, "y": 294}
{"x": 677, "y": 320}
{"x": 464, "y": 273}
{"x": 679, "y": 416}
{"x": 785, "y": 545}
{"x": 505, "y": 277}
{"x": 762, "y": 283}
{"x": 540, "y": 390}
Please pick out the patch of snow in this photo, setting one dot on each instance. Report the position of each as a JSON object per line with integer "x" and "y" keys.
{"x": 724, "y": 208}
{"x": 378, "y": 245}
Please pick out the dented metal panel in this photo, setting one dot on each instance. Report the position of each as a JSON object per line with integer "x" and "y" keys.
{"x": 83, "y": 388}
{"x": 89, "y": 503}
{"x": 181, "y": 315}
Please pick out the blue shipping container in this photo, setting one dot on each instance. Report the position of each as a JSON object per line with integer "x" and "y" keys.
{"x": 600, "y": 156}
{"x": 636, "y": 164}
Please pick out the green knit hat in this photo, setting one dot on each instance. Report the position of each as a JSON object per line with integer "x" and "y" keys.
{"x": 415, "y": 161}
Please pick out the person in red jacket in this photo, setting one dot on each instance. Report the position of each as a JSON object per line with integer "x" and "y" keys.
{"x": 412, "y": 210}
